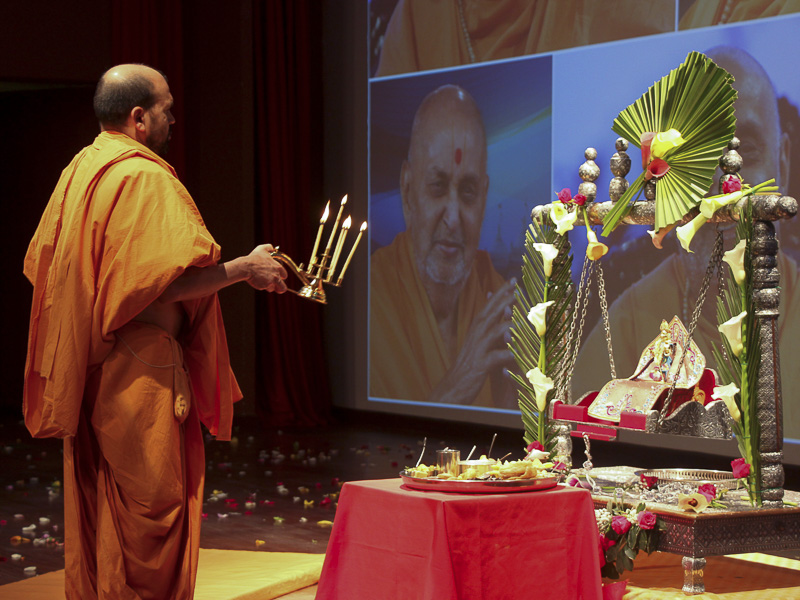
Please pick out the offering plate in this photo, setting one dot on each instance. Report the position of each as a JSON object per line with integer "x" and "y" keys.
{"x": 479, "y": 486}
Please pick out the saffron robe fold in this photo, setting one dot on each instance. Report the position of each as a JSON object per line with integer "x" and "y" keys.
{"x": 429, "y": 34}
{"x": 407, "y": 355}
{"x": 118, "y": 229}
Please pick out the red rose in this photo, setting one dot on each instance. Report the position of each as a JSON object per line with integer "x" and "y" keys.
{"x": 606, "y": 543}
{"x": 579, "y": 199}
{"x": 535, "y": 446}
{"x": 709, "y": 490}
{"x": 620, "y": 524}
{"x": 648, "y": 482}
{"x": 565, "y": 195}
{"x": 734, "y": 184}
{"x": 741, "y": 469}
{"x": 646, "y": 519}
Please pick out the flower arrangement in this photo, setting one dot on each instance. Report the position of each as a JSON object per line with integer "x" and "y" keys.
{"x": 540, "y": 316}
{"x": 738, "y": 360}
{"x": 623, "y": 533}
{"x": 564, "y": 219}
{"x": 682, "y": 124}
{"x": 706, "y": 496}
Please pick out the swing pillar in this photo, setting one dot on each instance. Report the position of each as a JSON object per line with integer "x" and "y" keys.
{"x": 766, "y": 298}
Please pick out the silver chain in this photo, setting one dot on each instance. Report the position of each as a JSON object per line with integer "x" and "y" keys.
{"x": 601, "y": 288}
{"x": 713, "y": 265}
{"x": 570, "y": 354}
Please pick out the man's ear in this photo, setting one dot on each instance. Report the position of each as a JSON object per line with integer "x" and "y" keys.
{"x": 405, "y": 182}
{"x": 137, "y": 115}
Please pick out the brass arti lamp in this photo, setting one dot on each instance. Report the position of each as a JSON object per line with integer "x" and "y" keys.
{"x": 320, "y": 271}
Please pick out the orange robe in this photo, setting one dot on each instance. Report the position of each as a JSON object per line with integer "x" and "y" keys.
{"x": 118, "y": 229}
{"x": 428, "y": 34}
{"x": 704, "y": 13}
{"x": 407, "y": 355}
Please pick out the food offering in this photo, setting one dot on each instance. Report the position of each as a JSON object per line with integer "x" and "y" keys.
{"x": 485, "y": 475}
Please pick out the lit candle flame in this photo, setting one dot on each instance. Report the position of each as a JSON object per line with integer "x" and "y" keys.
{"x": 363, "y": 226}
{"x": 347, "y": 222}
{"x": 326, "y": 213}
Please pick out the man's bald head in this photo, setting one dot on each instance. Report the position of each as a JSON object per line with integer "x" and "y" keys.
{"x": 447, "y": 107}
{"x": 123, "y": 88}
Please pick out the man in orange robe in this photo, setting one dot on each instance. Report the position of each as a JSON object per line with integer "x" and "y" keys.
{"x": 437, "y": 306}
{"x": 127, "y": 351}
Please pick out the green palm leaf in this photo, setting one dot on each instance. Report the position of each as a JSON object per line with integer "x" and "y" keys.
{"x": 525, "y": 342}
{"x": 697, "y": 100}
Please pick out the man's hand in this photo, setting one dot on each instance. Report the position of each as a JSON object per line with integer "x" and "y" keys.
{"x": 484, "y": 350}
{"x": 266, "y": 273}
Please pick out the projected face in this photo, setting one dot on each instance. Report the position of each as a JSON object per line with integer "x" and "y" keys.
{"x": 443, "y": 185}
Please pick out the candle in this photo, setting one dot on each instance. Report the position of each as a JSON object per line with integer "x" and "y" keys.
{"x": 339, "y": 244}
{"x": 335, "y": 226}
{"x": 319, "y": 235}
{"x": 352, "y": 251}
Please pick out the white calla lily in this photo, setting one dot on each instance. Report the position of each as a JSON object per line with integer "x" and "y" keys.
{"x": 542, "y": 384}
{"x": 685, "y": 233}
{"x": 732, "y": 330}
{"x": 563, "y": 218}
{"x": 537, "y": 316}
{"x": 594, "y": 250}
{"x": 708, "y": 206}
{"x": 727, "y": 394}
{"x": 549, "y": 253}
{"x": 735, "y": 258}
{"x": 665, "y": 141}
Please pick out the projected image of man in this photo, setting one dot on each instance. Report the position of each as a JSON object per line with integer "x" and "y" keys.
{"x": 439, "y": 310}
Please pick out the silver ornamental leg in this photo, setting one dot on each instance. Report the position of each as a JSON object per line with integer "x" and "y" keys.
{"x": 693, "y": 575}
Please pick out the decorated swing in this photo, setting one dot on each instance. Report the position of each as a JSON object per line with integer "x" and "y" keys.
{"x": 684, "y": 125}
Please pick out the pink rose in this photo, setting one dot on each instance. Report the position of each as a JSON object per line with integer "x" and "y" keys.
{"x": 579, "y": 199}
{"x": 646, "y": 519}
{"x": 620, "y": 524}
{"x": 535, "y": 446}
{"x": 731, "y": 185}
{"x": 741, "y": 469}
{"x": 709, "y": 490}
{"x": 565, "y": 195}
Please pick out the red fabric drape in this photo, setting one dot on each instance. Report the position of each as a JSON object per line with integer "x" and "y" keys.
{"x": 150, "y": 32}
{"x": 287, "y": 43}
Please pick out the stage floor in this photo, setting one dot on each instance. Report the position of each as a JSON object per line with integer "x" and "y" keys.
{"x": 291, "y": 477}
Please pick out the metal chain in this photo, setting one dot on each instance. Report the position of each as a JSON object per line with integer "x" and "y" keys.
{"x": 601, "y": 288}
{"x": 713, "y": 265}
{"x": 570, "y": 355}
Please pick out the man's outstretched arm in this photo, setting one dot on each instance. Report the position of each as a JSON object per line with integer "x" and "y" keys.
{"x": 258, "y": 269}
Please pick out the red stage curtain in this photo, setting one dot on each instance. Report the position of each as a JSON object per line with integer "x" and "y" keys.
{"x": 292, "y": 378}
{"x": 150, "y": 32}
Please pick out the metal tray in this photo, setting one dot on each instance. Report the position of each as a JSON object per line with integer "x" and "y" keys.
{"x": 722, "y": 479}
{"x": 477, "y": 486}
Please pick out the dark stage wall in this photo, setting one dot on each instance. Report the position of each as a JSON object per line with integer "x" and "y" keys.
{"x": 52, "y": 55}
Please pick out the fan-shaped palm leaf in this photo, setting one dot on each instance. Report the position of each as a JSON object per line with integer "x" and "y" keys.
{"x": 697, "y": 100}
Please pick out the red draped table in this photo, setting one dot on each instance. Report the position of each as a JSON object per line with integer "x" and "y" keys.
{"x": 390, "y": 542}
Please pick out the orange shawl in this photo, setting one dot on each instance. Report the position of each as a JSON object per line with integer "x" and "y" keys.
{"x": 407, "y": 355}
{"x": 118, "y": 229}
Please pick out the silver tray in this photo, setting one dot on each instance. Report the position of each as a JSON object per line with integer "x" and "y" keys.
{"x": 722, "y": 479}
{"x": 477, "y": 486}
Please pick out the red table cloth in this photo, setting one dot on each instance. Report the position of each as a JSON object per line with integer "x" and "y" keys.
{"x": 390, "y": 542}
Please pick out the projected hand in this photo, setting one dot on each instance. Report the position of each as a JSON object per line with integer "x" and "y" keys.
{"x": 265, "y": 272}
{"x": 484, "y": 351}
